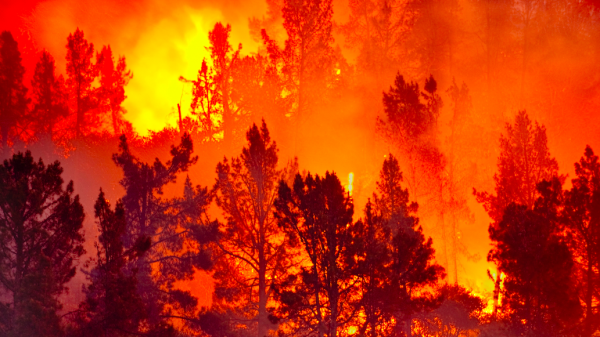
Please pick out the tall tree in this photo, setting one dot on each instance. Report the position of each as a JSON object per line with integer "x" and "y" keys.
{"x": 113, "y": 79}
{"x": 251, "y": 242}
{"x": 378, "y": 29}
{"x": 81, "y": 73}
{"x": 179, "y": 228}
{"x": 582, "y": 211}
{"x": 49, "y": 96}
{"x": 112, "y": 306}
{"x": 410, "y": 126}
{"x": 411, "y": 268}
{"x": 529, "y": 247}
{"x": 524, "y": 162}
{"x": 40, "y": 239}
{"x": 13, "y": 101}
{"x": 213, "y": 98}
{"x": 307, "y": 60}
{"x": 317, "y": 213}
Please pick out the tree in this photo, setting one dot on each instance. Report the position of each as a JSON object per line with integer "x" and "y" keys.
{"x": 13, "y": 101}
{"x": 81, "y": 73}
{"x": 213, "y": 98}
{"x": 582, "y": 205}
{"x": 113, "y": 79}
{"x": 524, "y": 162}
{"x": 316, "y": 213}
{"x": 307, "y": 60}
{"x": 49, "y": 96}
{"x": 378, "y": 29}
{"x": 112, "y": 306}
{"x": 530, "y": 249}
{"x": 410, "y": 267}
{"x": 411, "y": 127}
{"x": 251, "y": 242}
{"x": 40, "y": 239}
{"x": 178, "y": 228}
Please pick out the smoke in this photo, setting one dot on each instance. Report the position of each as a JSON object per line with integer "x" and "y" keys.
{"x": 553, "y": 75}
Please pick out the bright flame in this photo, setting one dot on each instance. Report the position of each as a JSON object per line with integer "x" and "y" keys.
{"x": 350, "y": 185}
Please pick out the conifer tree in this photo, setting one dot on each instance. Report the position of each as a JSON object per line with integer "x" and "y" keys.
{"x": 112, "y": 306}
{"x": 530, "y": 248}
{"x": 13, "y": 100}
{"x": 41, "y": 238}
{"x": 113, "y": 79}
{"x": 317, "y": 213}
{"x": 178, "y": 228}
{"x": 49, "y": 96}
{"x": 524, "y": 162}
{"x": 81, "y": 73}
{"x": 251, "y": 242}
{"x": 582, "y": 214}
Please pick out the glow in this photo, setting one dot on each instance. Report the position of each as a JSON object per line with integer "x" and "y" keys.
{"x": 350, "y": 186}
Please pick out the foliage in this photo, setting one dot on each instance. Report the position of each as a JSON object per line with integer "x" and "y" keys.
{"x": 41, "y": 238}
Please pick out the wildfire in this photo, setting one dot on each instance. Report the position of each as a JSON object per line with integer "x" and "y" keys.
{"x": 350, "y": 185}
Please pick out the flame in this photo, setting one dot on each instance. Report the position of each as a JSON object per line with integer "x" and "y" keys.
{"x": 350, "y": 185}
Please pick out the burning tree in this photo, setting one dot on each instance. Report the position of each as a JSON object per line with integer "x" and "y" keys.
{"x": 50, "y": 97}
{"x": 113, "y": 79}
{"x": 13, "y": 101}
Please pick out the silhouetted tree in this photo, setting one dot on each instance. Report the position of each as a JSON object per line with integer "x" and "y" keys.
{"x": 40, "y": 238}
{"x": 524, "y": 161}
{"x": 213, "y": 98}
{"x": 251, "y": 241}
{"x": 113, "y": 79}
{"x": 529, "y": 247}
{"x": 81, "y": 73}
{"x": 49, "y": 96}
{"x": 372, "y": 242}
{"x": 112, "y": 306}
{"x": 411, "y": 127}
{"x": 179, "y": 228}
{"x": 13, "y": 101}
{"x": 411, "y": 268}
{"x": 307, "y": 61}
{"x": 582, "y": 212}
{"x": 316, "y": 213}
{"x": 378, "y": 29}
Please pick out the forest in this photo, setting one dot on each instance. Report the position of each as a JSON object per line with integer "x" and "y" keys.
{"x": 300, "y": 168}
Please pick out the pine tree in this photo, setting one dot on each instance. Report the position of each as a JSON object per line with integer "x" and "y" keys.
{"x": 178, "y": 228}
{"x": 411, "y": 267}
{"x": 251, "y": 241}
{"x": 113, "y": 79}
{"x": 317, "y": 213}
{"x": 529, "y": 247}
{"x": 13, "y": 100}
{"x": 41, "y": 237}
{"x": 524, "y": 162}
{"x": 81, "y": 73}
{"x": 582, "y": 211}
{"x": 49, "y": 97}
{"x": 112, "y": 306}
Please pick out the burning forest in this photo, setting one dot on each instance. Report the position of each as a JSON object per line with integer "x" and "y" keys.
{"x": 300, "y": 168}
